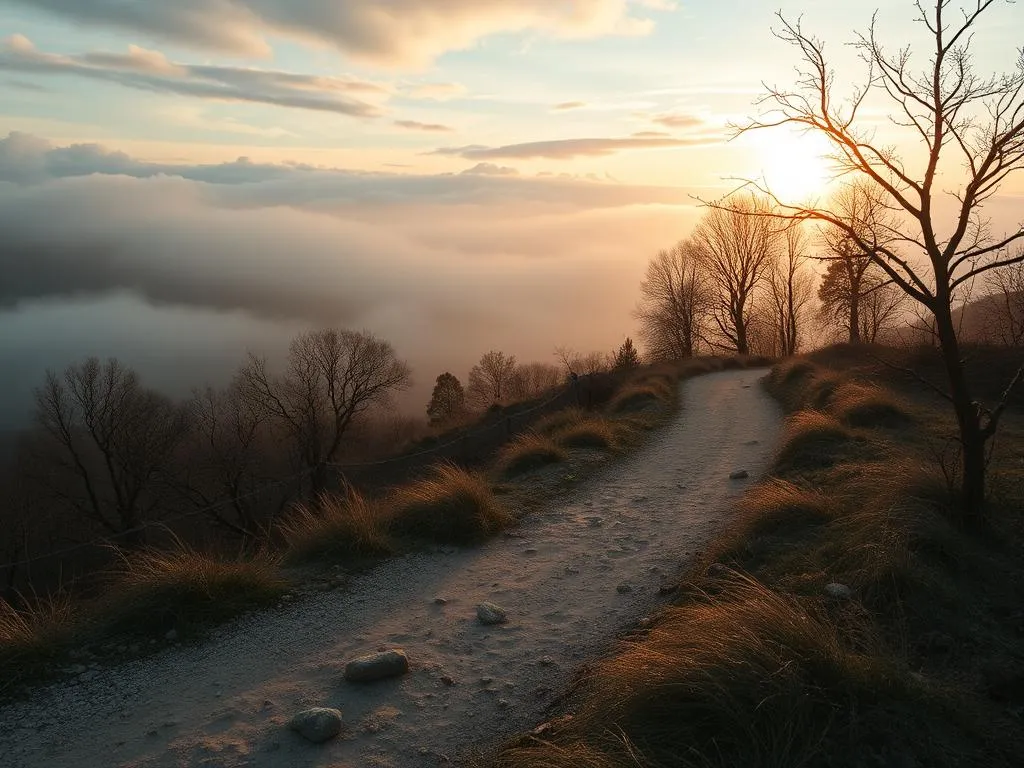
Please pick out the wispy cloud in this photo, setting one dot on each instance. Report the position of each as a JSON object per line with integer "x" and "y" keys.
{"x": 435, "y": 91}
{"x": 672, "y": 120}
{"x": 567, "y": 105}
{"x": 396, "y": 33}
{"x": 415, "y": 125}
{"x": 564, "y": 149}
{"x": 152, "y": 71}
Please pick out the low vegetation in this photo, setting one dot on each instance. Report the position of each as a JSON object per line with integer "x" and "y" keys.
{"x": 341, "y": 525}
{"x": 527, "y": 452}
{"x": 847, "y": 618}
{"x": 451, "y": 506}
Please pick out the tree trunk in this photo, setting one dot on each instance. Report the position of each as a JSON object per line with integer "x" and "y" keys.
{"x": 972, "y": 440}
{"x": 854, "y": 318}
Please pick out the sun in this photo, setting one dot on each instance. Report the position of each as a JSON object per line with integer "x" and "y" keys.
{"x": 793, "y": 166}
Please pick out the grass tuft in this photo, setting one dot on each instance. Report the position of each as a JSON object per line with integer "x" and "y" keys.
{"x": 637, "y": 397}
{"x": 451, "y": 506}
{"x": 867, "y": 406}
{"x": 595, "y": 432}
{"x": 560, "y": 420}
{"x": 810, "y": 441}
{"x": 33, "y": 636}
{"x": 182, "y": 589}
{"x": 346, "y": 525}
{"x": 527, "y": 452}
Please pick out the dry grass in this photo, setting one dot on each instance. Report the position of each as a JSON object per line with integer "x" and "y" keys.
{"x": 748, "y": 678}
{"x": 33, "y": 636}
{"x": 154, "y": 591}
{"x": 451, "y": 506}
{"x": 340, "y": 526}
{"x": 594, "y": 432}
{"x": 527, "y": 452}
{"x": 811, "y": 439}
{"x": 637, "y": 397}
{"x": 560, "y": 420}
{"x": 869, "y": 406}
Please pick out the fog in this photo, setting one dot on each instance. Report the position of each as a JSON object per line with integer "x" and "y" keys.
{"x": 178, "y": 270}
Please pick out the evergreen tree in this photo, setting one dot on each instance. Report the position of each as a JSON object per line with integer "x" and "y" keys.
{"x": 627, "y": 356}
{"x": 447, "y": 400}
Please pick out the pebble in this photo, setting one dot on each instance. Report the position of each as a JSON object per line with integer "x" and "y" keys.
{"x": 838, "y": 591}
{"x": 623, "y": 589}
{"x": 490, "y": 614}
{"x": 317, "y": 725}
{"x": 739, "y": 474}
{"x": 377, "y": 666}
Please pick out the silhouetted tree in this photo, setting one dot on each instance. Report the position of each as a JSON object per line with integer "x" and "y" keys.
{"x": 877, "y": 301}
{"x": 584, "y": 363}
{"x": 627, "y": 357}
{"x": 490, "y": 380}
{"x": 532, "y": 379}
{"x": 674, "y": 304}
{"x": 790, "y": 289}
{"x": 447, "y": 400}
{"x": 948, "y": 110}
{"x": 113, "y": 441}
{"x": 1003, "y": 311}
{"x": 736, "y": 247}
{"x": 331, "y": 377}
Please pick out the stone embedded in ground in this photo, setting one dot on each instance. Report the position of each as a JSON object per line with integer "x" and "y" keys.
{"x": 739, "y": 474}
{"x": 717, "y": 571}
{"x": 838, "y": 591}
{"x": 440, "y": 601}
{"x": 377, "y": 666}
{"x": 546, "y": 661}
{"x": 667, "y": 588}
{"x": 447, "y": 680}
{"x": 490, "y": 614}
{"x": 317, "y": 725}
{"x": 623, "y": 589}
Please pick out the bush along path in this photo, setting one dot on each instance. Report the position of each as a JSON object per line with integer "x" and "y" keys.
{"x": 429, "y": 657}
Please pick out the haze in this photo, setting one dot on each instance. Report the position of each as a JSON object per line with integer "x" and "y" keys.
{"x": 181, "y": 182}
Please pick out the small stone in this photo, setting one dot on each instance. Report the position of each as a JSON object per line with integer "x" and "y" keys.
{"x": 717, "y": 571}
{"x": 440, "y": 601}
{"x": 447, "y": 680}
{"x": 667, "y": 588}
{"x": 645, "y": 623}
{"x": 594, "y": 521}
{"x": 572, "y": 570}
{"x": 624, "y": 589}
{"x": 171, "y": 635}
{"x": 486, "y": 680}
{"x": 546, "y": 661}
{"x": 838, "y": 591}
{"x": 490, "y": 614}
{"x": 739, "y": 474}
{"x": 377, "y": 666}
{"x": 530, "y": 551}
{"x": 153, "y": 733}
{"x": 317, "y": 725}
{"x": 504, "y": 703}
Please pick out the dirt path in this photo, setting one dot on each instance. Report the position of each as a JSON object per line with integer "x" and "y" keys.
{"x": 570, "y": 579}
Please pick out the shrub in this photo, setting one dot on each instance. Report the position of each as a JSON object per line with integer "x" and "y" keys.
{"x": 866, "y": 406}
{"x": 527, "y": 452}
{"x": 451, "y": 506}
{"x": 559, "y": 420}
{"x": 343, "y": 525}
{"x": 636, "y": 397}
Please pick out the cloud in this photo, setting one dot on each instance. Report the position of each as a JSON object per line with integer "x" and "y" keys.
{"x": 567, "y": 105}
{"x": 444, "y": 266}
{"x": 152, "y": 71}
{"x": 650, "y": 134}
{"x": 490, "y": 169}
{"x": 678, "y": 121}
{"x": 415, "y": 125}
{"x": 392, "y": 33}
{"x": 564, "y": 149}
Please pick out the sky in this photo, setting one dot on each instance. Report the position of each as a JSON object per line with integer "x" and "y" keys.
{"x": 184, "y": 181}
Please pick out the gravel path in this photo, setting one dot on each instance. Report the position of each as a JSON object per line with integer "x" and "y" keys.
{"x": 570, "y": 579}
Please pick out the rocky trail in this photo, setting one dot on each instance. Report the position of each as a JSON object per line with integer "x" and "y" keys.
{"x": 569, "y": 579}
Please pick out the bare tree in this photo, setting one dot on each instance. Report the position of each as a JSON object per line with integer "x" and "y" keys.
{"x": 231, "y": 459}
{"x": 584, "y": 363}
{"x": 956, "y": 117}
{"x": 674, "y": 304}
{"x": 737, "y": 246}
{"x": 113, "y": 444}
{"x": 331, "y": 377}
{"x": 1003, "y": 308}
{"x": 490, "y": 380}
{"x": 877, "y": 302}
{"x": 790, "y": 290}
{"x": 532, "y": 379}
